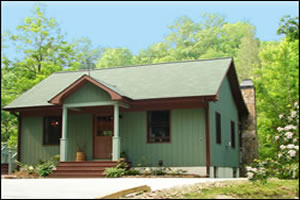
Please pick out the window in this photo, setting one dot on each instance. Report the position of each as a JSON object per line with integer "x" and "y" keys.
{"x": 52, "y": 130}
{"x": 158, "y": 126}
{"x": 218, "y": 128}
{"x": 232, "y": 134}
{"x": 104, "y": 126}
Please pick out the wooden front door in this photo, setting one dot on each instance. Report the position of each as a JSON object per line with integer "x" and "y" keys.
{"x": 103, "y": 137}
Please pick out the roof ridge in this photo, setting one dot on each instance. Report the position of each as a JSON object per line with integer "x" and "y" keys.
{"x": 127, "y": 66}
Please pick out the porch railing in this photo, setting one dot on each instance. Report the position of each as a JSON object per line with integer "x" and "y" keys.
{"x": 8, "y": 156}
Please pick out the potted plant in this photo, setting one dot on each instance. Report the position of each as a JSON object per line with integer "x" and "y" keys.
{"x": 80, "y": 154}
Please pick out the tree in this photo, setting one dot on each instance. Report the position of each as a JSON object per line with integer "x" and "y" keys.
{"x": 289, "y": 27}
{"x": 247, "y": 56}
{"x": 209, "y": 38}
{"x": 43, "y": 48}
{"x": 113, "y": 57}
{"x": 43, "y": 51}
{"x": 86, "y": 54}
{"x": 277, "y": 86}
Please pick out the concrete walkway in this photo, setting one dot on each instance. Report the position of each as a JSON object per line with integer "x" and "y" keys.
{"x": 85, "y": 188}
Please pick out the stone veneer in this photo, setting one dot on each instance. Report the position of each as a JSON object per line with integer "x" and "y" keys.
{"x": 249, "y": 140}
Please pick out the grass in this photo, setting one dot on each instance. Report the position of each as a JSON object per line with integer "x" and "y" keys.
{"x": 273, "y": 189}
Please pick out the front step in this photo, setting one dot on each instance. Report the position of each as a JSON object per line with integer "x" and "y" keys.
{"x": 85, "y": 169}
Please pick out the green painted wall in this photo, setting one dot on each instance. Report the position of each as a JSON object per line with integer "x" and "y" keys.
{"x": 88, "y": 93}
{"x": 187, "y": 147}
{"x": 80, "y": 128}
{"x": 223, "y": 155}
{"x": 32, "y": 148}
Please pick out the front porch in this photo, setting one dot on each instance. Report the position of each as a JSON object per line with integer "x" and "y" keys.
{"x": 102, "y": 141}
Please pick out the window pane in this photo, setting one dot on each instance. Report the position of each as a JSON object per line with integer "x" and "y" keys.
{"x": 158, "y": 126}
{"x": 218, "y": 128}
{"x": 52, "y": 130}
{"x": 232, "y": 134}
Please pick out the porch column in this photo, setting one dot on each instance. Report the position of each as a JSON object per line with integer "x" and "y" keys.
{"x": 116, "y": 138}
{"x": 64, "y": 139}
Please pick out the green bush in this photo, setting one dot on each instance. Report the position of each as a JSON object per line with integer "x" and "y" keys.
{"x": 122, "y": 164}
{"x": 114, "y": 172}
{"x": 46, "y": 168}
{"x": 286, "y": 142}
{"x": 132, "y": 172}
{"x": 30, "y": 169}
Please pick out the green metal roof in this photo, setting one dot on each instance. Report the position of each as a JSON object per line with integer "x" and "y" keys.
{"x": 166, "y": 80}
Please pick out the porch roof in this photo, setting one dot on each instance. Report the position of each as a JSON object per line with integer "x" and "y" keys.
{"x": 154, "y": 81}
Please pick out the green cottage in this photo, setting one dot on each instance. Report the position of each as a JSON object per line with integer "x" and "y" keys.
{"x": 188, "y": 115}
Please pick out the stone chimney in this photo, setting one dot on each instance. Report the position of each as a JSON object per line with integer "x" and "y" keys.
{"x": 249, "y": 141}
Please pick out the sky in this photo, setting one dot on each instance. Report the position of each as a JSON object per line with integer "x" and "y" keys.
{"x": 136, "y": 25}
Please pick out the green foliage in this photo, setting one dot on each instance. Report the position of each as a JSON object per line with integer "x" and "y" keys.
{"x": 285, "y": 163}
{"x": 121, "y": 169}
{"x": 30, "y": 169}
{"x": 247, "y": 56}
{"x": 289, "y": 27}
{"x": 277, "y": 86}
{"x": 114, "y": 172}
{"x": 113, "y": 57}
{"x": 132, "y": 172}
{"x": 43, "y": 169}
{"x": 42, "y": 52}
{"x": 122, "y": 164}
{"x": 274, "y": 189}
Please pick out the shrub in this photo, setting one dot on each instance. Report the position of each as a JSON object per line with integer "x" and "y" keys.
{"x": 114, "y": 172}
{"x": 43, "y": 169}
{"x": 286, "y": 141}
{"x": 132, "y": 172}
{"x": 30, "y": 169}
{"x": 122, "y": 164}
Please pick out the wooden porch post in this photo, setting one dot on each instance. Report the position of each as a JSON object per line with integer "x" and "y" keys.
{"x": 64, "y": 139}
{"x": 116, "y": 138}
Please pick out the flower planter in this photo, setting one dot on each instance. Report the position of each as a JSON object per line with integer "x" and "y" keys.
{"x": 80, "y": 156}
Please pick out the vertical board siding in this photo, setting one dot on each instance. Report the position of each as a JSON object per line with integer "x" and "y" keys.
{"x": 32, "y": 148}
{"x": 79, "y": 133}
{"x": 187, "y": 147}
{"x": 88, "y": 93}
{"x": 80, "y": 127}
{"x": 223, "y": 155}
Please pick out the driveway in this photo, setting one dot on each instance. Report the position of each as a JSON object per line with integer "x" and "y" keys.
{"x": 86, "y": 188}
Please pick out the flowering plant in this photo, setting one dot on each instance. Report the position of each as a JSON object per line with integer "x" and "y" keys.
{"x": 286, "y": 140}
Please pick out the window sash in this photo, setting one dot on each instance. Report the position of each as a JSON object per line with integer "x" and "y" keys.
{"x": 155, "y": 124}
{"x": 218, "y": 128}
{"x": 51, "y": 135}
{"x": 232, "y": 125}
